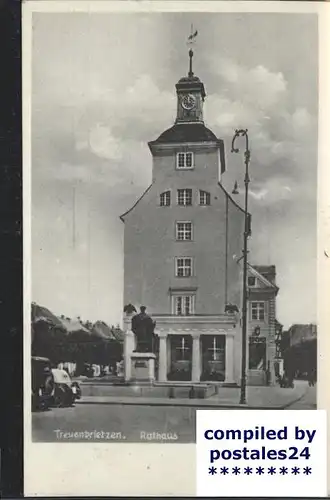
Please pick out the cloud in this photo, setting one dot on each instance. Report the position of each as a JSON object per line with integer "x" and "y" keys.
{"x": 251, "y": 82}
{"x": 280, "y": 137}
{"x": 101, "y": 135}
{"x": 274, "y": 191}
{"x": 104, "y": 144}
{"x": 92, "y": 119}
{"x": 101, "y": 138}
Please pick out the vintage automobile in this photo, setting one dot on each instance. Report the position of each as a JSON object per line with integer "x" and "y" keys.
{"x": 65, "y": 391}
{"x": 42, "y": 383}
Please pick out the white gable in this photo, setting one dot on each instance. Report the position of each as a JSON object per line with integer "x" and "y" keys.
{"x": 259, "y": 280}
{"x": 255, "y": 282}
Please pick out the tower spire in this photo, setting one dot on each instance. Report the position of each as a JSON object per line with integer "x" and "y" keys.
{"x": 191, "y": 41}
{"x": 191, "y": 54}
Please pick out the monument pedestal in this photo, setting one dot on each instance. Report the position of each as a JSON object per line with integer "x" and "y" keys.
{"x": 142, "y": 367}
{"x": 129, "y": 346}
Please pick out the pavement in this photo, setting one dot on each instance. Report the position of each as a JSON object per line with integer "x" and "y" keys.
{"x": 272, "y": 398}
{"x": 134, "y": 423}
{"x": 307, "y": 402}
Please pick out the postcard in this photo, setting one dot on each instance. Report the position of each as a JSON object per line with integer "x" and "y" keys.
{"x": 176, "y": 231}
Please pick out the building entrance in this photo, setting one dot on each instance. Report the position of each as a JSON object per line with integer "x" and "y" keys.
{"x": 257, "y": 353}
{"x": 213, "y": 357}
{"x": 181, "y": 357}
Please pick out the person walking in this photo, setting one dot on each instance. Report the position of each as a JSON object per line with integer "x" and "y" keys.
{"x": 312, "y": 377}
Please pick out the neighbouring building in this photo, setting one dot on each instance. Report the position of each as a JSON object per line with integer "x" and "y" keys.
{"x": 182, "y": 242}
{"x": 300, "y": 354}
{"x": 263, "y": 325}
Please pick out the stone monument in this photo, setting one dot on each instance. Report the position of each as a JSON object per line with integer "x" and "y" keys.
{"x": 140, "y": 367}
{"x": 143, "y": 328}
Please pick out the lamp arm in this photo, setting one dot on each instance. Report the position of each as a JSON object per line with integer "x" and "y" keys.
{"x": 241, "y": 133}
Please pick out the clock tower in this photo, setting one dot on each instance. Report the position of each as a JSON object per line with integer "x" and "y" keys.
{"x": 191, "y": 94}
{"x": 179, "y": 241}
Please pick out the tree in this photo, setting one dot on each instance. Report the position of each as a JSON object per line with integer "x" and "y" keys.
{"x": 62, "y": 339}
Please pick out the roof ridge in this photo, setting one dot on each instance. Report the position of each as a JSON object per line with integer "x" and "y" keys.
{"x": 181, "y": 132}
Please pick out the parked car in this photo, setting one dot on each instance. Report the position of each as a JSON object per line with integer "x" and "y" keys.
{"x": 65, "y": 391}
{"x": 42, "y": 381}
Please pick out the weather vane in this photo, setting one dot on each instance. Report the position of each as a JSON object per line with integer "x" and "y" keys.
{"x": 192, "y": 36}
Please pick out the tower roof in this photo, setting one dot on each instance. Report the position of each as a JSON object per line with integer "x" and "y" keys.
{"x": 189, "y": 79}
{"x": 186, "y": 132}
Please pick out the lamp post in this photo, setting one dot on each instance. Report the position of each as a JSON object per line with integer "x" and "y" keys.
{"x": 247, "y": 154}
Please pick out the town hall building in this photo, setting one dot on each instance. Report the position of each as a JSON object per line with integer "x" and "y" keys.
{"x": 182, "y": 243}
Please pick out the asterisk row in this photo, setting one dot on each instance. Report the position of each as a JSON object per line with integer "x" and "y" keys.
{"x": 282, "y": 471}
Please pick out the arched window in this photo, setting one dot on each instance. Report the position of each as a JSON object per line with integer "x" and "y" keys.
{"x": 204, "y": 198}
{"x": 165, "y": 199}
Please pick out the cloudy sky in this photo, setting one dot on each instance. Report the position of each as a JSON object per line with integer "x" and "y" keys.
{"x": 103, "y": 85}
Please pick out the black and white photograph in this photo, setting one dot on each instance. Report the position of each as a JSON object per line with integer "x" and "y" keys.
{"x": 173, "y": 173}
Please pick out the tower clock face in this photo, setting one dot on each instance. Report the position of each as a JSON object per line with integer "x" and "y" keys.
{"x": 188, "y": 101}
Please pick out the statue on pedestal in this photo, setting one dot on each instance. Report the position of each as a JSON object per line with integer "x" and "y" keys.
{"x": 143, "y": 327}
{"x": 129, "y": 309}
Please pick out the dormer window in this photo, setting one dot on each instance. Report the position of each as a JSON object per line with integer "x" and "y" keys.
{"x": 252, "y": 281}
{"x": 165, "y": 199}
{"x": 184, "y": 160}
{"x": 204, "y": 198}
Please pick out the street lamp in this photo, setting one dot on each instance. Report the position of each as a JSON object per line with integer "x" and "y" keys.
{"x": 247, "y": 154}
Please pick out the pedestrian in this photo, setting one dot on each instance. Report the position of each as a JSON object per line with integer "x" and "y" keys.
{"x": 311, "y": 377}
{"x": 291, "y": 379}
{"x": 314, "y": 376}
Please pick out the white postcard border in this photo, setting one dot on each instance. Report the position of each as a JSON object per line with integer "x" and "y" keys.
{"x": 155, "y": 469}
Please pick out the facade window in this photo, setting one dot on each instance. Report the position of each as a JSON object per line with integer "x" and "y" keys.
{"x": 204, "y": 198}
{"x": 183, "y": 350}
{"x": 184, "y": 231}
{"x": 165, "y": 199}
{"x": 252, "y": 281}
{"x": 183, "y": 267}
{"x": 184, "y": 305}
{"x": 184, "y": 160}
{"x": 215, "y": 351}
{"x": 258, "y": 311}
{"x": 184, "y": 197}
